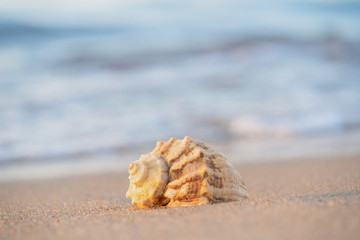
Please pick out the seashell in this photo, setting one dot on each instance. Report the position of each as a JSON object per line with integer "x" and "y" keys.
{"x": 183, "y": 173}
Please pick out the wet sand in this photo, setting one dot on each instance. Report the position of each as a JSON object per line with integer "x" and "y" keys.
{"x": 296, "y": 199}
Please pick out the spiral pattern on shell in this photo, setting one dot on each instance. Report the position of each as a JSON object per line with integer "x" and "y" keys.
{"x": 148, "y": 179}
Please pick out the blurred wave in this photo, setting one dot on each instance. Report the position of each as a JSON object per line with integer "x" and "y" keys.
{"x": 131, "y": 74}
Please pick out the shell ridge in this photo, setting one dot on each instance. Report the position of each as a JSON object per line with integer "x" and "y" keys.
{"x": 182, "y": 148}
{"x": 228, "y": 190}
{"x": 186, "y": 159}
{"x": 205, "y": 172}
{"x": 164, "y": 147}
{"x": 227, "y": 193}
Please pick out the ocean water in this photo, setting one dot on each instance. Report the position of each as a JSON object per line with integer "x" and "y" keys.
{"x": 86, "y": 78}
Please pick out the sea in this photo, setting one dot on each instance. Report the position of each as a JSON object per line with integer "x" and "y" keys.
{"x": 99, "y": 80}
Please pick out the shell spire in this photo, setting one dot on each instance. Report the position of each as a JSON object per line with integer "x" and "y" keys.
{"x": 195, "y": 175}
{"x": 148, "y": 180}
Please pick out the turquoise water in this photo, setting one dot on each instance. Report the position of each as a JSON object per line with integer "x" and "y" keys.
{"x": 85, "y": 78}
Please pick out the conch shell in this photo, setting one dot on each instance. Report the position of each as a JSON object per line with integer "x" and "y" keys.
{"x": 183, "y": 173}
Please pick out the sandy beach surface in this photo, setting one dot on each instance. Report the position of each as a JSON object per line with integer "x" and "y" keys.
{"x": 298, "y": 199}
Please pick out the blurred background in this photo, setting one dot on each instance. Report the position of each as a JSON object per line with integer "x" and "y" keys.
{"x": 89, "y": 83}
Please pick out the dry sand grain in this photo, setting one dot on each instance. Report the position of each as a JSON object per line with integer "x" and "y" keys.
{"x": 309, "y": 199}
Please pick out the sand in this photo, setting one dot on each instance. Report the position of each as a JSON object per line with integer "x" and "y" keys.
{"x": 295, "y": 199}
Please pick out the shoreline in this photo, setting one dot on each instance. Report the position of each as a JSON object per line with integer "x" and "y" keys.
{"x": 237, "y": 152}
{"x": 297, "y": 199}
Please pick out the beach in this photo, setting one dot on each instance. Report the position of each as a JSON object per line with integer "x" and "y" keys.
{"x": 296, "y": 199}
{"x": 87, "y": 87}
